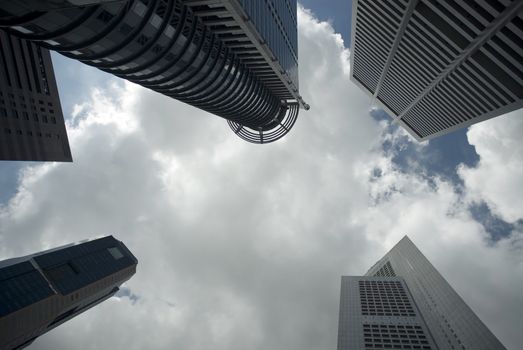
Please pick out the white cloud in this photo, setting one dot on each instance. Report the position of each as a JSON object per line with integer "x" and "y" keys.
{"x": 498, "y": 178}
{"x": 239, "y": 245}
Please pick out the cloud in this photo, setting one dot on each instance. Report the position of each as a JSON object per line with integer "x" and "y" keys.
{"x": 239, "y": 245}
{"x": 497, "y": 179}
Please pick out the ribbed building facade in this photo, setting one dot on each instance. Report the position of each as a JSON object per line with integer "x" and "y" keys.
{"x": 31, "y": 121}
{"x": 41, "y": 291}
{"x": 439, "y": 65}
{"x": 403, "y": 302}
{"x": 235, "y": 59}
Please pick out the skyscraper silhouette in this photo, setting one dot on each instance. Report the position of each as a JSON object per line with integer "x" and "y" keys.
{"x": 237, "y": 59}
{"x": 41, "y": 291}
{"x": 403, "y": 302}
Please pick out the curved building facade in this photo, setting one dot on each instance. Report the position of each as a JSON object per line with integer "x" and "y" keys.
{"x": 193, "y": 51}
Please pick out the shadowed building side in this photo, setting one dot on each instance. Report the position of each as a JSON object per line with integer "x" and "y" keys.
{"x": 205, "y": 53}
{"x": 31, "y": 121}
{"x": 41, "y": 291}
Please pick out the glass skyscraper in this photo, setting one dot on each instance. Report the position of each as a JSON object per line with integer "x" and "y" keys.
{"x": 236, "y": 59}
{"x": 41, "y": 291}
{"x": 403, "y": 302}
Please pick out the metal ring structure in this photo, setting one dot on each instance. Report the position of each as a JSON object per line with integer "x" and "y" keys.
{"x": 281, "y": 127}
{"x": 162, "y": 45}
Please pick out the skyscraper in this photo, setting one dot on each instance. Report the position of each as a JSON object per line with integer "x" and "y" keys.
{"x": 41, "y": 291}
{"x": 439, "y": 65}
{"x": 31, "y": 120}
{"x": 403, "y": 302}
{"x": 237, "y": 59}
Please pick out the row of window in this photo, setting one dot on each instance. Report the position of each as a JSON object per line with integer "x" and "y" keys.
{"x": 384, "y": 298}
{"x": 394, "y": 336}
{"x": 24, "y": 106}
{"x": 8, "y": 131}
{"x": 22, "y": 98}
{"x": 25, "y": 116}
{"x": 386, "y": 271}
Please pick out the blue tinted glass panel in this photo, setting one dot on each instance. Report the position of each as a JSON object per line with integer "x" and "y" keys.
{"x": 21, "y": 285}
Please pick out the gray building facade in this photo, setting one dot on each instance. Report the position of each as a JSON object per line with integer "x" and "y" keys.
{"x": 236, "y": 59}
{"x": 403, "y": 302}
{"x": 31, "y": 121}
{"x": 41, "y": 291}
{"x": 379, "y": 313}
{"x": 439, "y": 65}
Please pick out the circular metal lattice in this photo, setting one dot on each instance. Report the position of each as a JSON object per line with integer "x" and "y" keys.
{"x": 273, "y": 131}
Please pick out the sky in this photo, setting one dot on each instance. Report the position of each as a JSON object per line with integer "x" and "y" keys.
{"x": 242, "y": 246}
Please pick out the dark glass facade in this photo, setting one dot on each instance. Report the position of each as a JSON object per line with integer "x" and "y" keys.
{"x": 41, "y": 291}
{"x": 21, "y": 285}
{"x": 31, "y": 121}
{"x": 201, "y": 53}
{"x": 77, "y": 266}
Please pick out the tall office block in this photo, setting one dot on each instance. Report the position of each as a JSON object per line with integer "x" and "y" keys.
{"x": 41, "y": 291}
{"x": 236, "y": 59}
{"x": 439, "y": 65}
{"x": 31, "y": 120}
{"x": 403, "y": 302}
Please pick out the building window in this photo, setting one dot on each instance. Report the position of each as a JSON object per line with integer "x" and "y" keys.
{"x": 379, "y": 336}
{"x": 115, "y": 252}
{"x": 384, "y": 298}
{"x": 105, "y": 16}
{"x": 386, "y": 271}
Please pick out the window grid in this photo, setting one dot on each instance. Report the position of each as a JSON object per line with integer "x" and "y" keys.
{"x": 386, "y": 271}
{"x": 380, "y": 336}
{"x": 384, "y": 298}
